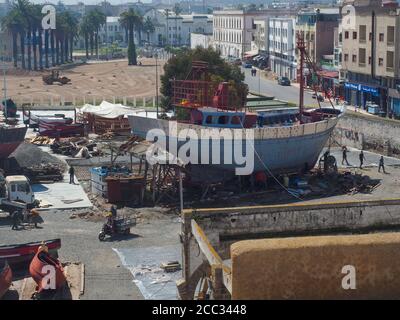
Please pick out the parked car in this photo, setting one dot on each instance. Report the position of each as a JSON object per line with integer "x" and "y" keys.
{"x": 375, "y": 109}
{"x": 247, "y": 65}
{"x": 284, "y": 81}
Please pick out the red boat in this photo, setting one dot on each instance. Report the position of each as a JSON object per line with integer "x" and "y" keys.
{"x": 10, "y": 138}
{"x": 39, "y": 270}
{"x": 5, "y": 278}
{"x": 60, "y": 130}
{"x": 23, "y": 253}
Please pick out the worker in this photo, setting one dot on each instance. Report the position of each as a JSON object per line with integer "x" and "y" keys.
{"x": 261, "y": 180}
{"x": 35, "y": 216}
{"x": 114, "y": 211}
{"x": 71, "y": 175}
{"x": 15, "y": 220}
{"x": 362, "y": 158}
{"x": 344, "y": 158}
{"x": 381, "y": 165}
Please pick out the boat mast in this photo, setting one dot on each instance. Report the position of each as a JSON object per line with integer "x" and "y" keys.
{"x": 301, "y": 47}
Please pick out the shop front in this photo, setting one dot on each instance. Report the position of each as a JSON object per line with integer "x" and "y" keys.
{"x": 359, "y": 94}
{"x": 394, "y": 103}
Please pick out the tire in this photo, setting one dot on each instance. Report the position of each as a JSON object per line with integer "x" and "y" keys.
{"x": 102, "y": 236}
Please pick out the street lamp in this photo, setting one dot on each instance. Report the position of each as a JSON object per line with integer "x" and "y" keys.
{"x": 156, "y": 56}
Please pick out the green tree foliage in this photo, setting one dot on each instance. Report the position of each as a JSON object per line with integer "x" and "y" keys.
{"x": 179, "y": 66}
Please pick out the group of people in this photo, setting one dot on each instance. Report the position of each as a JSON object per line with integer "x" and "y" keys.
{"x": 361, "y": 157}
{"x": 253, "y": 72}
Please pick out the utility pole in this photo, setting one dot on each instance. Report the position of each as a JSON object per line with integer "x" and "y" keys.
{"x": 301, "y": 47}
{"x": 156, "y": 56}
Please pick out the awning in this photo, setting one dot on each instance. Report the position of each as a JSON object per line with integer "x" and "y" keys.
{"x": 328, "y": 74}
{"x": 250, "y": 54}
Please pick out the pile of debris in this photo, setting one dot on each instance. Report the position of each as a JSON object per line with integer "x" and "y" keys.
{"x": 44, "y": 172}
{"x": 355, "y": 183}
{"x": 75, "y": 147}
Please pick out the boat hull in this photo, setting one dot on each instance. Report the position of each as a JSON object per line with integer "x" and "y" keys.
{"x": 10, "y": 138}
{"x": 22, "y": 254}
{"x": 273, "y": 149}
{"x": 5, "y": 279}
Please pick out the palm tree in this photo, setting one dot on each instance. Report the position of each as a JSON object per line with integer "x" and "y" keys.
{"x": 84, "y": 30}
{"x": 131, "y": 20}
{"x": 23, "y": 9}
{"x": 177, "y": 10}
{"x": 36, "y": 24}
{"x": 97, "y": 19}
{"x": 13, "y": 23}
{"x": 148, "y": 27}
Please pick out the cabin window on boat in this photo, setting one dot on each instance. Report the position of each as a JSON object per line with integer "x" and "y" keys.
{"x": 13, "y": 188}
{"x": 223, "y": 120}
{"x": 209, "y": 119}
{"x": 236, "y": 120}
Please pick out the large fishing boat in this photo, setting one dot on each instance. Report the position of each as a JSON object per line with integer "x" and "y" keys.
{"x": 281, "y": 142}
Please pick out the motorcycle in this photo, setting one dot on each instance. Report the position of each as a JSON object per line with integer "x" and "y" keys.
{"x": 119, "y": 225}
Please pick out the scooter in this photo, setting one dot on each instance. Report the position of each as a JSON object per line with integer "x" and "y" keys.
{"x": 120, "y": 225}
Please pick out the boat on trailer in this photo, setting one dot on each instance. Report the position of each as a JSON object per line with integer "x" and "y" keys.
{"x": 5, "y": 278}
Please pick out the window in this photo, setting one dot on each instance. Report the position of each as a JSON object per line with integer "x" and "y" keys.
{"x": 346, "y": 57}
{"x": 346, "y": 34}
{"x": 354, "y": 58}
{"x": 381, "y": 37}
{"x": 361, "y": 56}
{"x": 363, "y": 33}
{"x": 370, "y": 36}
{"x": 209, "y": 119}
{"x": 389, "y": 59}
{"x": 390, "y": 35}
{"x": 369, "y": 60}
{"x": 381, "y": 61}
{"x": 236, "y": 120}
{"x": 223, "y": 120}
{"x": 354, "y": 35}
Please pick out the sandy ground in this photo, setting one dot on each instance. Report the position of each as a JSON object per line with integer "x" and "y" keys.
{"x": 95, "y": 79}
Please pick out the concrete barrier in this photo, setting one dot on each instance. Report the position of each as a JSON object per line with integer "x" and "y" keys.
{"x": 323, "y": 267}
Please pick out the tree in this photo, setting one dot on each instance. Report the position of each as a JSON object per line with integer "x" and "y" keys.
{"x": 148, "y": 27}
{"x": 179, "y": 66}
{"x": 177, "y": 10}
{"x": 85, "y": 30}
{"x": 14, "y": 24}
{"x": 96, "y": 19}
{"x": 131, "y": 20}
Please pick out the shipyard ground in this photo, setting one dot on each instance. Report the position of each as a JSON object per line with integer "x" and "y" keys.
{"x": 108, "y": 276}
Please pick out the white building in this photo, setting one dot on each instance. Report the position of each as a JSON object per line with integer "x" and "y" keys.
{"x": 175, "y": 30}
{"x": 201, "y": 40}
{"x": 282, "y": 55}
{"x": 233, "y": 32}
{"x": 261, "y": 41}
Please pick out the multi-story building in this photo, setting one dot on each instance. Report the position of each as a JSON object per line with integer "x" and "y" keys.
{"x": 175, "y": 30}
{"x": 317, "y": 29}
{"x": 370, "y": 55}
{"x": 201, "y": 40}
{"x": 235, "y": 30}
{"x": 282, "y": 55}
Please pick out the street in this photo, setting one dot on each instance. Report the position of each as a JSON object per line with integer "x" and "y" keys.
{"x": 268, "y": 87}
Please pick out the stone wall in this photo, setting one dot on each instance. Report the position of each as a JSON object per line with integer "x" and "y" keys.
{"x": 313, "y": 267}
{"x": 370, "y": 133}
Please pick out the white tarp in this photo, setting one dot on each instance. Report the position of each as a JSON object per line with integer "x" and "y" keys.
{"x": 109, "y": 110}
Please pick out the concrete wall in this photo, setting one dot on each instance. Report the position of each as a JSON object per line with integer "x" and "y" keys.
{"x": 311, "y": 267}
{"x": 224, "y": 227}
{"x": 364, "y": 132}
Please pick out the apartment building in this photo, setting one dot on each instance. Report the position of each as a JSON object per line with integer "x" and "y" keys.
{"x": 234, "y": 31}
{"x": 282, "y": 46}
{"x": 370, "y": 55}
{"x": 317, "y": 29}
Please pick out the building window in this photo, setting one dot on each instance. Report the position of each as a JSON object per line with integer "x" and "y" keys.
{"x": 370, "y": 36}
{"x": 369, "y": 60}
{"x": 354, "y": 35}
{"x": 381, "y": 61}
{"x": 363, "y": 33}
{"x": 346, "y": 34}
{"x": 361, "y": 56}
{"x": 354, "y": 58}
{"x": 390, "y": 35}
{"x": 390, "y": 60}
{"x": 381, "y": 37}
{"x": 346, "y": 57}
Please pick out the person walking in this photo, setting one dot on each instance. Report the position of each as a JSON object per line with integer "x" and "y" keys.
{"x": 344, "y": 155}
{"x": 381, "y": 165}
{"x": 362, "y": 158}
{"x": 71, "y": 175}
{"x": 15, "y": 220}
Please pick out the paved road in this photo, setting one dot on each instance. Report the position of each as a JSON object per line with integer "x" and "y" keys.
{"x": 271, "y": 88}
